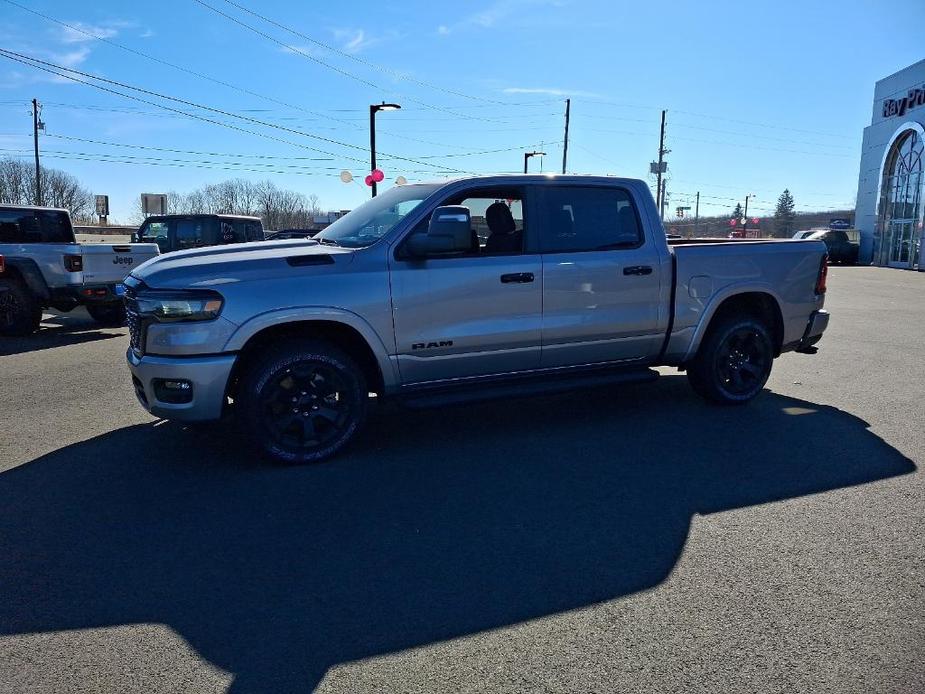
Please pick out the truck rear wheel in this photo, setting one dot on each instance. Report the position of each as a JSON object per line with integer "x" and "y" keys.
{"x": 20, "y": 314}
{"x": 302, "y": 401}
{"x": 108, "y": 315}
{"x": 733, "y": 362}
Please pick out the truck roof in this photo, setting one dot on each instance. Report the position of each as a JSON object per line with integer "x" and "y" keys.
{"x": 202, "y": 215}
{"x": 6, "y": 206}
{"x": 502, "y": 179}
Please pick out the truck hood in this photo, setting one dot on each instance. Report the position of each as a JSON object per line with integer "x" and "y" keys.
{"x": 240, "y": 262}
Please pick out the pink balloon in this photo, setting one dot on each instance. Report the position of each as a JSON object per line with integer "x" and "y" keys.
{"x": 378, "y": 176}
{"x": 369, "y": 179}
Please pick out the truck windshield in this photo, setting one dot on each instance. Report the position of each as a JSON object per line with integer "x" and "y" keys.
{"x": 372, "y": 220}
{"x": 26, "y": 225}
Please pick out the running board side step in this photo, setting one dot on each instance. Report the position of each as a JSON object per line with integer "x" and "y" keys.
{"x": 522, "y": 387}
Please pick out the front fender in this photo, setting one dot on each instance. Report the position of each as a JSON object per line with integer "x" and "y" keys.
{"x": 296, "y": 314}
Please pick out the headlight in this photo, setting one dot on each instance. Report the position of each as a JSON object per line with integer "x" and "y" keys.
{"x": 167, "y": 307}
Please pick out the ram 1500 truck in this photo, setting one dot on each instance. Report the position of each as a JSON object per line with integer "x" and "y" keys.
{"x": 470, "y": 289}
{"x": 42, "y": 266}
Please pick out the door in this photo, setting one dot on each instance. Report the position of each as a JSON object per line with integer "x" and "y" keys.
{"x": 476, "y": 313}
{"x": 901, "y": 244}
{"x": 601, "y": 279}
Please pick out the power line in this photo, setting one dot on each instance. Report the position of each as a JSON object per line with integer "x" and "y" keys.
{"x": 394, "y": 73}
{"x": 128, "y": 49}
{"x": 340, "y": 71}
{"x": 37, "y": 64}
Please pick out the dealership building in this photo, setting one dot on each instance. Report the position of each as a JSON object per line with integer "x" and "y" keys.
{"x": 889, "y": 212}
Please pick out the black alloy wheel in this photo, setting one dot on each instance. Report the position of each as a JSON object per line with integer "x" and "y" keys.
{"x": 733, "y": 362}
{"x": 302, "y": 401}
{"x": 306, "y": 406}
{"x": 19, "y": 313}
{"x": 743, "y": 361}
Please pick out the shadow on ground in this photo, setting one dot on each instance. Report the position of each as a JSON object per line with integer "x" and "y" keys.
{"x": 435, "y": 524}
{"x": 58, "y": 330}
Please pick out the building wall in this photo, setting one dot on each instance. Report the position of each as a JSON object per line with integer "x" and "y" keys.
{"x": 877, "y": 138}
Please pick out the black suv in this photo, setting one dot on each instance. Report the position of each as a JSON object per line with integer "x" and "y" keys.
{"x": 176, "y": 232}
{"x": 840, "y": 247}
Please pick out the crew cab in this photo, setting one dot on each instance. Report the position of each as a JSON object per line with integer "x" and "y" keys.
{"x": 42, "y": 266}
{"x": 469, "y": 289}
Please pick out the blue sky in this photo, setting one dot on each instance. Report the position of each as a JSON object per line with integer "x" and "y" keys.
{"x": 760, "y": 96}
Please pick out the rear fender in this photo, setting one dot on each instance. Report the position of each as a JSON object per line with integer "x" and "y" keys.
{"x": 26, "y": 270}
{"x": 714, "y": 304}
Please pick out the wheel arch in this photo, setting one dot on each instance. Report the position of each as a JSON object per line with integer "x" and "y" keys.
{"x": 759, "y": 302}
{"x": 357, "y": 340}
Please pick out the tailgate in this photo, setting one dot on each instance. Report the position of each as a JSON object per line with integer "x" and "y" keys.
{"x": 107, "y": 264}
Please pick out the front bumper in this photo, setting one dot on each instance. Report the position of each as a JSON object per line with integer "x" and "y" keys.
{"x": 208, "y": 377}
{"x": 818, "y": 322}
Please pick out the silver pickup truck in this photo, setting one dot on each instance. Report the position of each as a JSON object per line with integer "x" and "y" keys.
{"x": 448, "y": 292}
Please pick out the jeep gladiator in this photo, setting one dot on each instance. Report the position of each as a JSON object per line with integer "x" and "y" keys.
{"x": 42, "y": 266}
{"x": 469, "y": 289}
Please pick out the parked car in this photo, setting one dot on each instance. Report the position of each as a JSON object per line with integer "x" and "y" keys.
{"x": 177, "y": 232}
{"x": 401, "y": 297}
{"x": 840, "y": 247}
{"x": 290, "y": 234}
{"x": 42, "y": 266}
{"x": 806, "y": 233}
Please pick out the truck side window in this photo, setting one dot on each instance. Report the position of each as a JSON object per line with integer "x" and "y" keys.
{"x": 497, "y": 220}
{"x": 190, "y": 234}
{"x": 589, "y": 219}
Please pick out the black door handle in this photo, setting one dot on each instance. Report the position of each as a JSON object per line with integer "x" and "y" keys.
{"x": 637, "y": 270}
{"x": 518, "y": 277}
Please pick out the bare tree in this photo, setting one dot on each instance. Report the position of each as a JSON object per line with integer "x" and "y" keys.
{"x": 59, "y": 189}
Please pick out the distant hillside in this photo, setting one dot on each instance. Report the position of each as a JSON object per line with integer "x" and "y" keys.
{"x": 719, "y": 226}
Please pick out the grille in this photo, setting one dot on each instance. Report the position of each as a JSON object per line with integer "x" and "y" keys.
{"x": 136, "y": 338}
{"x": 133, "y": 321}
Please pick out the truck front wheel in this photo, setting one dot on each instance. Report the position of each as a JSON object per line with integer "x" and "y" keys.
{"x": 733, "y": 362}
{"x": 107, "y": 315}
{"x": 302, "y": 401}
{"x": 20, "y": 314}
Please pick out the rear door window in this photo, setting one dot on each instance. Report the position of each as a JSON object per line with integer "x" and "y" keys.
{"x": 35, "y": 226}
{"x": 191, "y": 233}
{"x": 589, "y": 219}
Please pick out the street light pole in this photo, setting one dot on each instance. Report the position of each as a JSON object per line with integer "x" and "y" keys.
{"x": 373, "y": 109}
{"x": 745, "y": 216}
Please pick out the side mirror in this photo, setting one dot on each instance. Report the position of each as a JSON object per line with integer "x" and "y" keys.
{"x": 449, "y": 231}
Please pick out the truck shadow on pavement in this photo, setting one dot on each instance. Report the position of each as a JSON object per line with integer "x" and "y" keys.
{"x": 58, "y": 330}
{"x": 434, "y": 525}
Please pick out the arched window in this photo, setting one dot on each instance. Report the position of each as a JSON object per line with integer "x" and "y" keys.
{"x": 900, "y": 201}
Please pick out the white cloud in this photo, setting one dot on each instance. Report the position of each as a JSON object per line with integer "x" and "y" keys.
{"x": 356, "y": 40}
{"x": 496, "y": 14}
{"x": 550, "y": 91}
{"x": 443, "y": 30}
{"x": 72, "y": 58}
{"x": 82, "y": 32}
{"x": 146, "y": 34}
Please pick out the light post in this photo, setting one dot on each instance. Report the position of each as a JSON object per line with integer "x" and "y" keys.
{"x": 527, "y": 156}
{"x": 373, "y": 108}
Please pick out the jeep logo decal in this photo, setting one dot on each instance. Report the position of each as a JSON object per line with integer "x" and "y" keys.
{"x": 119, "y": 260}
{"x": 431, "y": 345}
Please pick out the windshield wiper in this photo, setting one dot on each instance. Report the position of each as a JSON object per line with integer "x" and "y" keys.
{"x": 327, "y": 242}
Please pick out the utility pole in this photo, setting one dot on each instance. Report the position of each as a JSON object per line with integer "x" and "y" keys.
{"x": 697, "y": 214}
{"x": 35, "y": 137}
{"x": 568, "y": 104}
{"x": 658, "y": 173}
{"x": 745, "y": 217}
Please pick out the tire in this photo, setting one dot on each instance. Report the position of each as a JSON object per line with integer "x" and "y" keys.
{"x": 302, "y": 401}
{"x": 20, "y": 313}
{"x": 733, "y": 362}
{"x": 108, "y": 315}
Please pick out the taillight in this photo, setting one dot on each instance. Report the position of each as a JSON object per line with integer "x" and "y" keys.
{"x": 823, "y": 273}
{"x": 2, "y": 265}
{"x": 73, "y": 263}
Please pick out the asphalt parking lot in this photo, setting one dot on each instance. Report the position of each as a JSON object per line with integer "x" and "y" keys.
{"x": 613, "y": 541}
